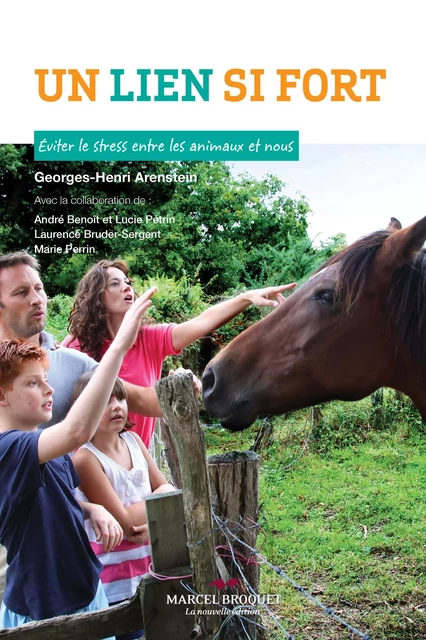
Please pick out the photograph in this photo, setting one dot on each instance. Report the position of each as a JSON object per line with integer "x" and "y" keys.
{"x": 212, "y": 321}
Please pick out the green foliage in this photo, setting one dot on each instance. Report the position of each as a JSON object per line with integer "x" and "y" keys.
{"x": 11, "y": 159}
{"x": 177, "y": 301}
{"x": 341, "y": 425}
{"x": 58, "y": 309}
{"x": 291, "y": 261}
{"x": 344, "y": 424}
{"x": 218, "y": 222}
{"x": 217, "y": 225}
{"x": 65, "y": 275}
{"x": 393, "y": 407}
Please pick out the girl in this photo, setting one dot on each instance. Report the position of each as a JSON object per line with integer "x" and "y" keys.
{"x": 103, "y": 296}
{"x": 116, "y": 471}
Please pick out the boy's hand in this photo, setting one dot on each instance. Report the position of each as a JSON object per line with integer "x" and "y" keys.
{"x": 129, "y": 328}
{"x": 264, "y": 297}
{"x": 106, "y": 527}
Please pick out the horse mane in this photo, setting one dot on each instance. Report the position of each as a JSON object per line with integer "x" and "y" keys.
{"x": 406, "y": 304}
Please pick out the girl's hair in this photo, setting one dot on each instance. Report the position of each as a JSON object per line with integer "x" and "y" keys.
{"x": 88, "y": 318}
{"x": 118, "y": 391}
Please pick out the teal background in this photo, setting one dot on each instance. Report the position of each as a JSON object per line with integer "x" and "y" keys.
{"x": 283, "y": 145}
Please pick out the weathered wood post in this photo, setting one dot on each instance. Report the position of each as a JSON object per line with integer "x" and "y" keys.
{"x": 170, "y": 454}
{"x": 177, "y": 402}
{"x": 164, "y": 616}
{"x": 265, "y": 435}
{"x": 234, "y": 486}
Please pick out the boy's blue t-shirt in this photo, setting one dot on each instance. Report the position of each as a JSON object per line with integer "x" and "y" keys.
{"x": 52, "y": 569}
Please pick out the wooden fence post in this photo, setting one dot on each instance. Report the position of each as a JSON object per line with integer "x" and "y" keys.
{"x": 170, "y": 454}
{"x": 167, "y": 531}
{"x": 234, "y": 485}
{"x": 177, "y": 402}
{"x": 265, "y": 435}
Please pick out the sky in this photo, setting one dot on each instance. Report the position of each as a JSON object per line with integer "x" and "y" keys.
{"x": 353, "y": 189}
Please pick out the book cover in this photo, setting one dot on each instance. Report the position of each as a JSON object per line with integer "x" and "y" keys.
{"x": 227, "y": 148}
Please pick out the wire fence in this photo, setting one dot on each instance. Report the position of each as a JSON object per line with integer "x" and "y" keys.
{"x": 233, "y": 539}
{"x": 234, "y": 615}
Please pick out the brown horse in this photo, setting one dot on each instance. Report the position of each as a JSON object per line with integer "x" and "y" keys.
{"x": 359, "y": 323}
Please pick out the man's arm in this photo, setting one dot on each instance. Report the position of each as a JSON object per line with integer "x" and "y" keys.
{"x": 186, "y": 333}
{"x": 142, "y": 400}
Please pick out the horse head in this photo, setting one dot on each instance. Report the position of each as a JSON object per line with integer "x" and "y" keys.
{"x": 357, "y": 324}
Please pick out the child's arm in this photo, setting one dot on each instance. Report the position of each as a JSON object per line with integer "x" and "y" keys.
{"x": 158, "y": 482}
{"x": 105, "y": 526}
{"x": 84, "y": 416}
{"x": 98, "y": 489}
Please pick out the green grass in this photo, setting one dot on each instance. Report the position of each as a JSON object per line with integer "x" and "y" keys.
{"x": 347, "y": 521}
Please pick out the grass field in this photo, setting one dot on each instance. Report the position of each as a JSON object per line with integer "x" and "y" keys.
{"x": 346, "y": 520}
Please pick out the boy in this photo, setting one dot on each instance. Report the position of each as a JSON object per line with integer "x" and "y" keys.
{"x": 52, "y": 570}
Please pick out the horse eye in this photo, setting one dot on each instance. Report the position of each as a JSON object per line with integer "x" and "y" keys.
{"x": 327, "y": 296}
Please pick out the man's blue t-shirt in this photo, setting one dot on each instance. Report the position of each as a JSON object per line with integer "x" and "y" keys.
{"x": 52, "y": 569}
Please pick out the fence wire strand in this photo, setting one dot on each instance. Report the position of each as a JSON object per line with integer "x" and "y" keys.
{"x": 327, "y": 610}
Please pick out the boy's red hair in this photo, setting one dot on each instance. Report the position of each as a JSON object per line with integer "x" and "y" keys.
{"x": 14, "y": 354}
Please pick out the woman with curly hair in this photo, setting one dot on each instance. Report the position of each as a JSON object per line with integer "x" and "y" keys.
{"x": 103, "y": 296}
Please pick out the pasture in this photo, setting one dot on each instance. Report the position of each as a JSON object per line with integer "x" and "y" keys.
{"x": 346, "y": 520}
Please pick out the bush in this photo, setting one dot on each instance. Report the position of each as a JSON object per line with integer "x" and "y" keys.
{"x": 341, "y": 424}
{"x": 59, "y": 309}
{"x": 390, "y": 407}
{"x": 344, "y": 424}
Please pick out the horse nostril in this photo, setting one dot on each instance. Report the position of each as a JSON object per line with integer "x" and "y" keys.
{"x": 208, "y": 381}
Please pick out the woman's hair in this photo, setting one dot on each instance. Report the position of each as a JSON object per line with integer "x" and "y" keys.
{"x": 118, "y": 391}
{"x": 88, "y": 318}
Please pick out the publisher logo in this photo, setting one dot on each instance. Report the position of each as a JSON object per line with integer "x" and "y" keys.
{"x": 220, "y": 584}
{"x": 222, "y": 603}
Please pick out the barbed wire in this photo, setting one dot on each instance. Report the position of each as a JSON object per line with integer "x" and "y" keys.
{"x": 246, "y": 582}
{"x": 327, "y": 610}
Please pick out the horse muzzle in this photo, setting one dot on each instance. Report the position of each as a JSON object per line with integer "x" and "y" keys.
{"x": 234, "y": 410}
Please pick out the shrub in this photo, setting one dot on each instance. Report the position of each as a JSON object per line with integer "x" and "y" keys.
{"x": 59, "y": 309}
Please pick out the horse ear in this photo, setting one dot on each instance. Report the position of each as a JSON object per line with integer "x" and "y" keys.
{"x": 402, "y": 245}
{"x": 394, "y": 225}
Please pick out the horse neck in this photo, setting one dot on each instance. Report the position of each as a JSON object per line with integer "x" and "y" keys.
{"x": 419, "y": 399}
{"x": 410, "y": 381}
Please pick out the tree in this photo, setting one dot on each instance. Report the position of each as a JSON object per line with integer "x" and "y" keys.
{"x": 210, "y": 231}
{"x": 219, "y": 224}
{"x": 23, "y": 198}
